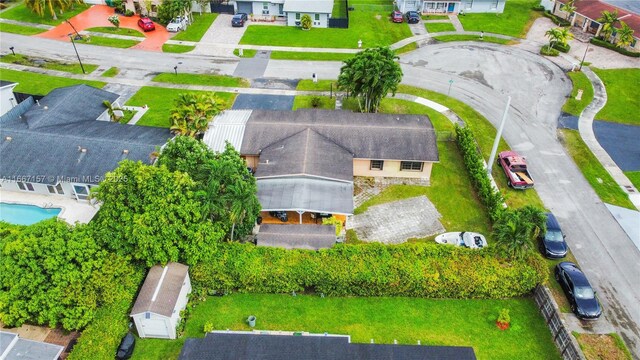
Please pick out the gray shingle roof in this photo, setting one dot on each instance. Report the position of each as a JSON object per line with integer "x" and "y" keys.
{"x": 366, "y": 136}
{"x": 48, "y": 154}
{"x": 13, "y": 347}
{"x": 302, "y": 236}
{"x": 4, "y": 83}
{"x": 306, "y": 6}
{"x": 306, "y": 153}
{"x": 254, "y": 346}
{"x": 306, "y": 194}
{"x": 167, "y": 295}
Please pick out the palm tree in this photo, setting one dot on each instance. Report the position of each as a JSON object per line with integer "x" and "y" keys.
{"x": 191, "y": 113}
{"x": 111, "y": 110}
{"x": 516, "y": 231}
{"x": 554, "y": 35}
{"x": 607, "y": 20}
{"x": 39, "y": 6}
{"x": 569, "y": 8}
{"x": 625, "y": 35}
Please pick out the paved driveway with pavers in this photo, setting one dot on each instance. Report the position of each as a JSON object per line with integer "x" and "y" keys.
{"x": 398, "y": 221}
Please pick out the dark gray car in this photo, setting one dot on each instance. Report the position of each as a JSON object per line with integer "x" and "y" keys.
{"x": 239, "y": 19}
{"x": 553, "y": 244}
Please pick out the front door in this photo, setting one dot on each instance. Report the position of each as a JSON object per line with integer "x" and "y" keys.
{"x": 452, "y": 7}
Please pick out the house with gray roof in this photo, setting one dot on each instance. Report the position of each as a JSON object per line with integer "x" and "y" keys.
{"x": 13, "y": 347}
{"x": 290, "y": 10}
{"x": 57, "y": 145}
{"x": 305, "y": 160}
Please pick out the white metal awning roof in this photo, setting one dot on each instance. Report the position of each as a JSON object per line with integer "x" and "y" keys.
{"x": 227, "y": 126}
{"x": 306, "y": 194}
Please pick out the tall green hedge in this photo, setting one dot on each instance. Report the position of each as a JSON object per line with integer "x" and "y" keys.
{"x": 608, "y": 45}
{"x": 411, "y": 269}
{"x": 473, "y": 161}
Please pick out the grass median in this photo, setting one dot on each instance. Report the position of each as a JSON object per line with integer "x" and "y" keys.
{"x": 20, "y": 29}
{"x": 116, "y": 31}
{"x": 47, "y": 64}
{"x": 171, "y": 48}
{"x": 40, "y": 84}
{"x": 623, "y": 96}
{"x": 439, "y": 27}
{"x": 202, "y": 79}
{"x": 487, "y": 39}
{"x": 580, "y": 82}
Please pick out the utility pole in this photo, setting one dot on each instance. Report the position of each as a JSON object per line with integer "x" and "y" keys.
{"x": 498, "y": 136}
{"x": 76, "y": 50}
{"x": 584, "y": 57}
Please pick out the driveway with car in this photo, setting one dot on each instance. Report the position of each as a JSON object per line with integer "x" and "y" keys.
{"x": 220, "y": 33}
{"x": 96, "y": 16}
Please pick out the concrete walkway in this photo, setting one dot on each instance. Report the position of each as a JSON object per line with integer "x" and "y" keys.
{"x": 585, "y": 126}
{"x": 456, "y": 23}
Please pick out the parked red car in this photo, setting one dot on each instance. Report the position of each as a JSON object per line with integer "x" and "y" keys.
{"x": 397, "y": 17}
{"x": 146, "y": 24}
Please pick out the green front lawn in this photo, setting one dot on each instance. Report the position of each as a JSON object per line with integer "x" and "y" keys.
{"x": 47, "y": 64}
{"x": 246, "y": 53}
{"x": 311, "y": 56}
{"x": 202, "y": 79}
{"x": 634, "y": 177}
{"x": 198, "y": 28}
{"x": 580, "y": 82}
{"x": 160, "y": 102}
{"x": 407, "y": 320}
{"x": 339, "y": 9}
{"x": 321, "y": 85}
{"x": 304, "y": 102}
{"x": 21, "y": 13}
{"x": 515, "y": 21}
{"x": 40, "y": 84}
{"x": 623, "y": 96}
{"x": 600, "y": 180}
{"x": 113, "y": 71}
{"x": 484, "y": 133}
{"x": 20, "y": 29}
{"x": 372, "y": 27}
{"x": 439, "y": 27}
{"x": 170, "y": 48}
{"x": 405, "y": 49}
{"x": 116, "y": 31}
{"x": 488, "y": 39}
{"x": 107, "y": 41}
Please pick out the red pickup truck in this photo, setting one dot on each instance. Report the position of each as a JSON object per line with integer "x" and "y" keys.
{"x": 515, "y": 167}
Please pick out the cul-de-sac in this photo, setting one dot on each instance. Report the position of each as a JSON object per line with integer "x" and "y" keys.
{"x": 320, "y": 179}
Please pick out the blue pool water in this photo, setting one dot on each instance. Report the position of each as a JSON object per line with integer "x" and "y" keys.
{"x": 25, "y": 214}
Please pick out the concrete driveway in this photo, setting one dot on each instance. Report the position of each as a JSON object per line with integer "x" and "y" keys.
{"x": 484, "y": 75}
{"x": 220, "y": 33}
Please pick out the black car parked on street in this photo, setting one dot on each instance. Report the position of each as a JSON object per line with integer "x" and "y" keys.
{"x": 580, "y": 294}
{"x": 553, "y": 244}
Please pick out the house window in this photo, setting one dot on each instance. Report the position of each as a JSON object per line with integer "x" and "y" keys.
{"x": 147, "y": 315}
{"x": 376, "y": 165}
{"x": 60, "y": 189}
{"x": 265, "y": 8}
{"x": 52, "y": 189}
{"x": 411, "y": 166}
{"x": 317, "y": 17}
{"x": 297, "y": 16}
{"x": 57, "y": 189}
{"x": 21, "y": 186}
{"x": 25, "y": 186}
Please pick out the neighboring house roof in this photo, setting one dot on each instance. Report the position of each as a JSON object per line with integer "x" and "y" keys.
{"x": 366, "y": 136}
{"x": 71, "y": 146}
{"x": 228, "y": 126}
{"x": 593, "y": 10}
{"x": 160, "y": 291}
{"x": 306, "y": 153}
{"x": 306, "y": 6}
{"x": 4, "y": 83}
{"x": 303, "y": 236}
{"x": 306, "y": 194}
{"x": 12, "y": 347}
{"x": 254, "y": 346}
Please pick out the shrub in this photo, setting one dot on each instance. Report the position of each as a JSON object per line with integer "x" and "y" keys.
{"x": 557, "y": 20}
{"x": 208, "y": 327}
{"x": 305, "y": 22}
{"x": 608, "y": 45}
{"x": 490, "y": 197}
{"x": 538, "y": 8}
{"x": 546, "y": 50}
{"x": 316, "y": 101}
{"x": 115, "y": 20}
{"x": 504, "y": 320}
{"x": 129, "y": 13}
{"x": 562, "y": 47}
{"x": 411, "y": 269}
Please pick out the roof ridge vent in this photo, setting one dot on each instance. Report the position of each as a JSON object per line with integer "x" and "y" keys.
{"x": 155, "y": 293}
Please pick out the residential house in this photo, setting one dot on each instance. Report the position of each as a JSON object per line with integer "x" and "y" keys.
{"x": 290, "y": 10}
{"x": 279, "y": 345}
{"x": 162, "y": 298}
{"x": 7, "y": 99}
{"x": 13, "y": 347}
{"x": 451, "y": 6}
{"x": 305, "y": 160}
{"x": 57, "y": 145}
{"x": 589, "y": 11}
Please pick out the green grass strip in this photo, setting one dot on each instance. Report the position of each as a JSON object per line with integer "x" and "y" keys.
{"x": 109, "y": 42}
{"x": 170, "y": 48}
{"x": 580, "y": 82}
{"x": 47, "y": 64}
{"x": 40, "y": 84}
{"x": 116, "y": 31}
{"x": 305, "y": 102}
{"x": 246, "y": 53}
{"x": 489, "y": 39}
{"x": 202, "y": 79}
{"x": 113, "y": 71}
{"x": 311, "y": 56}
{"x": 439, "y": 27}
{"x": 20, "y": 29}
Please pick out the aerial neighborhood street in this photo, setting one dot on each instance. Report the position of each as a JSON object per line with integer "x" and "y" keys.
{"x": 327, "y": 179}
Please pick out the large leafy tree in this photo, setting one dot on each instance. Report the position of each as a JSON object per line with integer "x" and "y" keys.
{"x": 191, "y": 156}
{"x": 516, "y": 230}
{"x": 625, "y": 35}
{"x": 53, "y": 274}
{"x": 369, "y": 76}
{"x": 608, "y": 20}
{"x": 154, "y": 215}
{"x": 192, "y": 112}
{"x": 170, "y": 9}
{"x": 41, "y": 6}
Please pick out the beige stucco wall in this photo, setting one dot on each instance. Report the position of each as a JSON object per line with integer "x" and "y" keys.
{"x": 251, "y": 160}
{"x": 391, "y": 168}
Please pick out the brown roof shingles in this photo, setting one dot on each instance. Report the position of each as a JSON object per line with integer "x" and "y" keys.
{"x": 593, "y": 10}
{"x": 167, "y": 296}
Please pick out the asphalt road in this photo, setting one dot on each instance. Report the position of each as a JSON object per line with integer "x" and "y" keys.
{"x": 483, "y": 76}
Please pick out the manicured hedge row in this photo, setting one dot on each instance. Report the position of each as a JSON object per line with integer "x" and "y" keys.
{"x": 561, "y": 47}
{"x": 557, "y": 20}
{"x": 411, "y": 269}
{"x": 490, "y": 197}
{"x": 546, "y": 50}
{"x": 608, "y": 45}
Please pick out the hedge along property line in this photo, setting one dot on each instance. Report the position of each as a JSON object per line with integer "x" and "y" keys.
{"x": 490, "y": 197}
{"x": 410, "y": 269}
{"x": 608, "y": 45}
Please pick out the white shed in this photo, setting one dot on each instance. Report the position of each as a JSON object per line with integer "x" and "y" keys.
{"x": 163, "y": 296}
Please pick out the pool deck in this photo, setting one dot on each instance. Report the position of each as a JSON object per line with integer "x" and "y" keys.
{"x": 73, "y": 211}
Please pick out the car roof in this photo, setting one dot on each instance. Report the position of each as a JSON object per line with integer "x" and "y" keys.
{"x": 145, "y": 20}
{"x": 577, "y": 276}
{"x": 552, "y": 222}
{"x": 239, "y": 15}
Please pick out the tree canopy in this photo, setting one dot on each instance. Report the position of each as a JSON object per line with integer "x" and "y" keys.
{"x": 40, "y": 6}
{"x": 369, "y": 76}
{"x": 516, "y": 230}
{"x": 192, "y": 112}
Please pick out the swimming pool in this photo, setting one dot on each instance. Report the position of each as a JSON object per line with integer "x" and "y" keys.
{"x": 25, "y": 214}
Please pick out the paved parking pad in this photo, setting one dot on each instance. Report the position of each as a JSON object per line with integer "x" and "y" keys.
{"x": 398, "y": 221}
{"x": 263, "y": 102}
{"x": 621, "y": 142}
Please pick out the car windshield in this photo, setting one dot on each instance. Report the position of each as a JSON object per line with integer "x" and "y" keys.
{"x": 584, "y": 292}
{"x": 555, "y": 236}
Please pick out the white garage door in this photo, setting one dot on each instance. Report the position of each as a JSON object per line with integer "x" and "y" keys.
{"x": 155, "y": 328}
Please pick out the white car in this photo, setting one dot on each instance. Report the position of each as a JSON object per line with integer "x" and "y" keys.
{"x": 467, "y": 239}
{"x": 177, "y": 24}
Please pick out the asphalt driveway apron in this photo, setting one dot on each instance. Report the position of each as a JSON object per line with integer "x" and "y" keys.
{"x": 263, "y": 102}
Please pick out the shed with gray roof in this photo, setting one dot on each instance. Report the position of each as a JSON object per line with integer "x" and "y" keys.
{"x": 302, "y": 236}
{"x": 162, "y": 297}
